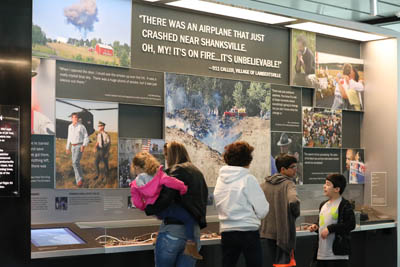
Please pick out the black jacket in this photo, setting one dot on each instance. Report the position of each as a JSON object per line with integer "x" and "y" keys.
{"x": 346, "y": 223}
{"x": 309, "y": 63}
{"x": 195, "y": 199}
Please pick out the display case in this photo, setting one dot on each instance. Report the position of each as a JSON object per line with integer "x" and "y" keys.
{"x": 84, "y": 238}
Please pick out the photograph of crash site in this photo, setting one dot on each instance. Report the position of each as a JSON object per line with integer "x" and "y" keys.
{"x": 206, "y": 114}
{"x": 339, "y": 82}
{"x": 322, "y": 127}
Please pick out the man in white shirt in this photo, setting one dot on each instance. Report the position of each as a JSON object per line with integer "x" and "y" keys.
{"x": 77, "y": 140}
{"x": 102, "y": 149}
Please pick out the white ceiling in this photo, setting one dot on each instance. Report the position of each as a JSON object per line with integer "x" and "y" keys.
{"x": 356, "y": 10}
{"x": 352, "y": 10}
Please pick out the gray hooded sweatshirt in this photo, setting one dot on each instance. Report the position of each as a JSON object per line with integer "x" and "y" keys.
{"x": 284, "y": 208}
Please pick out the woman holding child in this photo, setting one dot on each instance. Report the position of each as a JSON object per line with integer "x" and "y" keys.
{"x": 172, "y": 242}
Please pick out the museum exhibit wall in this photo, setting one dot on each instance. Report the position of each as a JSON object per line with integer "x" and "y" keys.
{"x": 16, "y": 76}
{"x": 205, "y": 81}
{"x": 213, "y": 96}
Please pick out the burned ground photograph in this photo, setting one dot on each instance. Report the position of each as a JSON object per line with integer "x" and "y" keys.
{"x": 206, "y": 114}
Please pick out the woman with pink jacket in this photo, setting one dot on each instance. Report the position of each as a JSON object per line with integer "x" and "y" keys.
{"x": 146, "y": 188}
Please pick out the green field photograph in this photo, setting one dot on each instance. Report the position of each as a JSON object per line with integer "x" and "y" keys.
{"x": 97, "y": 32}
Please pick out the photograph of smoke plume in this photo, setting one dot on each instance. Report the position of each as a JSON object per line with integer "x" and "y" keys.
{"x": 93, "y": 31}
{"x": 97, "y": 165}
{"x": 128, "y": 148}
{"x": 206, "y": 114}
{"x": 322, "y": 127}
{"x": 339, "y": 82}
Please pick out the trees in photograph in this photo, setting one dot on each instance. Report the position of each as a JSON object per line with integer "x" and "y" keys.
{"x": 38, "y": 36}
{"x": 223, "y": 94}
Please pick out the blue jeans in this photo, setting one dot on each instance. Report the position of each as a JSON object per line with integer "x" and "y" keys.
{"x": 169, "y": 252}
{"x": 179, "y": 213}
{"x": 76, "y": 162}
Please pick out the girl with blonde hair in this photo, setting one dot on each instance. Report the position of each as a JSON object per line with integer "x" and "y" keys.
{"x": 146, "y": 189}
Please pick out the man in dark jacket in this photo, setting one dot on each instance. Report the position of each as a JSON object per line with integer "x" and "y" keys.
{"x": 336, "y": 221}
{"x": 305, "y": 62}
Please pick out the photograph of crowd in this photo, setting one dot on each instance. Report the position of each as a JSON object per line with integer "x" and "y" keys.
{"x": 322, "y": 127}
{"x": 339, "y": 82}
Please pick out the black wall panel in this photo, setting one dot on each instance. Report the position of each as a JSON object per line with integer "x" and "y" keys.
{"x": 140, "y": 121}
{"x": 351, "y": 129}
{"x": 336, "y": 46}
{"x": 15, "y": 78}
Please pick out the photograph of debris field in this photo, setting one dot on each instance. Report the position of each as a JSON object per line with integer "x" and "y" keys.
{"x": 206, "y": 114}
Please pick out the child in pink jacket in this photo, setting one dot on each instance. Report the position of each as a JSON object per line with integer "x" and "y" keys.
{"x": 146, "y": 188}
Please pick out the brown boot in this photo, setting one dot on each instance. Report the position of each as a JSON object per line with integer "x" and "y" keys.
{"x": 191, "y": 250}
{"x": 154, "y": 239}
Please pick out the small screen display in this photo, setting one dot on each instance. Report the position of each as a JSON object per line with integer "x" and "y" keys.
{"x": 54, "y": 237}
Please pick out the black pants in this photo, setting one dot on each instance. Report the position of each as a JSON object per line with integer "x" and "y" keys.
{"x": 235, "y": 242}
{"x": 333, "y": 263}
{"x": 278, "y": 255}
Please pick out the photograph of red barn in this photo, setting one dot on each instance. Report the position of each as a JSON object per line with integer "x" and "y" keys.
{"x": 73, "y": 34}
{"x": 104, "y": 50}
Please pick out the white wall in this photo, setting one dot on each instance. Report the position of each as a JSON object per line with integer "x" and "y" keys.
{"x": 379, "y": 128}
